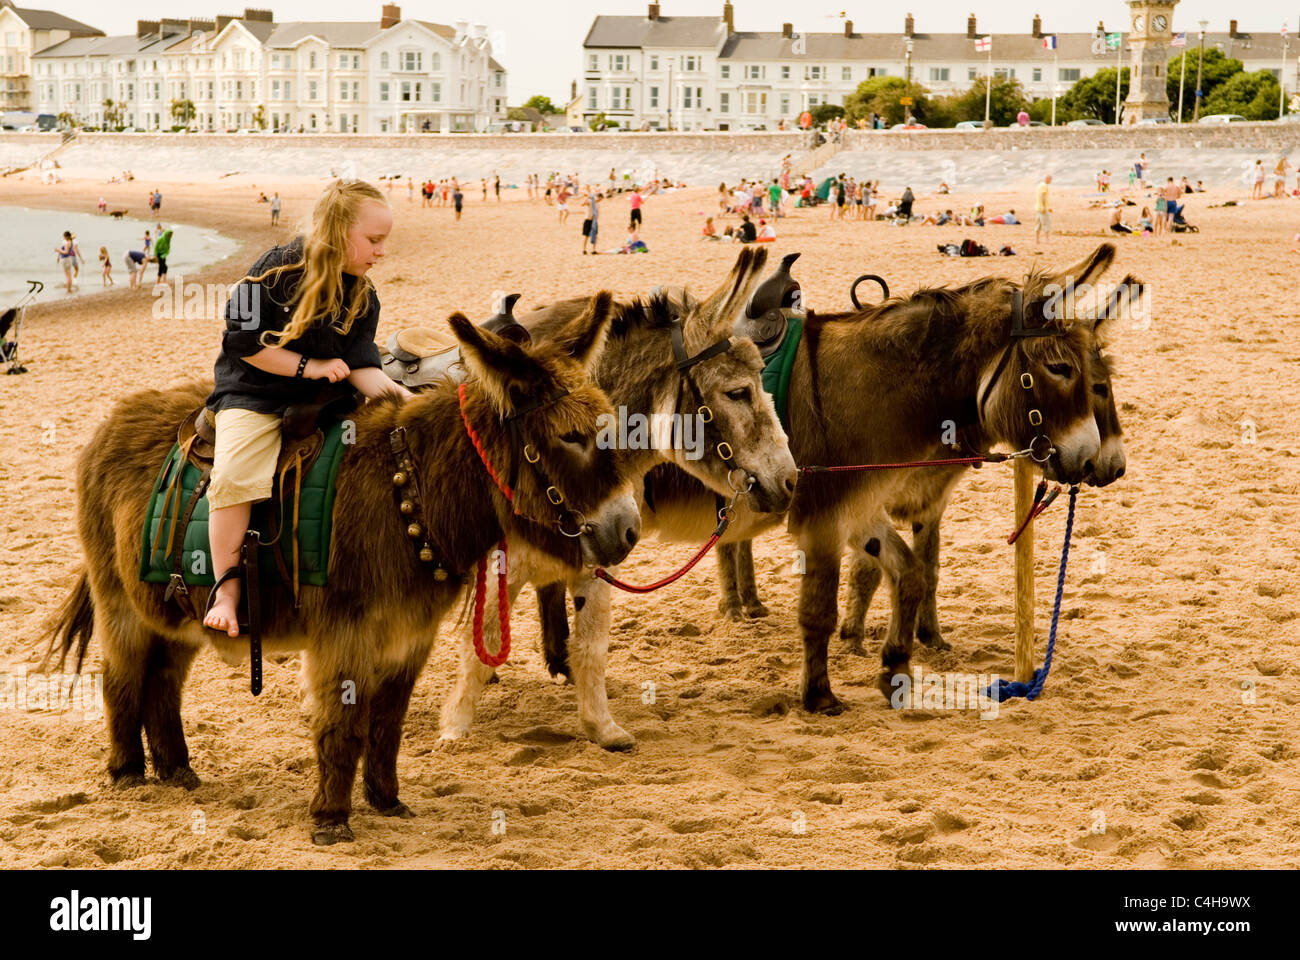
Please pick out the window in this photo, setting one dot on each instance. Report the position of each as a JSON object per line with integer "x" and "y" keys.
{"x": 618, "y": 62}
{"x": 593, "y": 99}
{"x": 288, "y": 89}
{"x": 1068, "y": 74}
{"x": 435, "y": 92}
{"x": 593, "y": 63}
{"x": 419, "y": 90}
{"x": 311, "y": 65}
{"x": 654, "y": 63}
{"x": 785, "y": 104}
{"x": 813, "y": 73}
{"x": 1038, "y": 74}
{"x": 343, "y": 63}
{"x": 846, "y": 73}
{"x": 724, "y": 71}
{"x": 785, "y": 71}
{"x": 724, "y": 103}
{"x": 343, "y": 89}
{"x": 383, "y": 92}
{"x": 686, "y": 98}
{"x": 616, "y": 98}
{"x": 411, "y": 60}
{"x": 755, "y": 102}
{"x": 1004, "y": 73}
{"x": 654, "y": 98}
{"x": 690, "y": 64}
{"x": 275, "y": 89}
{"x": 383, "y": 60}
{"x": 938, "y": 74}
{"x": 971, "y": 73}
{"x": 311, "y": 90}
{"x": 754, "y": 71}
{"x": 406, "y": 91}
{"x": 435, "y": 62}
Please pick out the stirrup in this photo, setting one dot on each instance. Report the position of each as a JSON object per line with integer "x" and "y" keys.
{"x": 234, "y": 573}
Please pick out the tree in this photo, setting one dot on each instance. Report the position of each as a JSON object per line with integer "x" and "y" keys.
{"x": 600, "y": 119}
{"x": 67, "y": 121}
{"x": 1217, "y": 70}
{"x": 112, "y": 113}
{"x": 1094, "y": 97}
{"x": 182, "y": 112}
{"x": 881, "y": 95}
{"x": 542, "y": 105}
{"x": 259, "y": 117}
{"x": 1254, "y": 96}
{"x": 826, "y": 111}
{"x": 1006, "y": 100}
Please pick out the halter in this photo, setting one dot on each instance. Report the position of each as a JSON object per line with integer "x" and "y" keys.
{"x": 1040, "y": 448}
{"x": 684, "y": 363}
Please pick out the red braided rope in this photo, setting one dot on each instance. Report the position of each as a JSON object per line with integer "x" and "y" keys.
{"x": 478, "y": 445}
{"x": 630, "y": 588}
{"x": 854, "y": 468}
{"x": 503, "y": 609}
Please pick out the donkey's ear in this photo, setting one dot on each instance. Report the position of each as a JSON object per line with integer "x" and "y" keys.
{"x": 721, "y": 310}
{"x": 1090, "y": 269}
{"x": 583, "y": 337}
{"x": 502, "y": 367}
{"x": 1124, "y": 300}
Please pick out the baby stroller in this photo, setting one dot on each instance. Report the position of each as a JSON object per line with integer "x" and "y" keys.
{"x": 1181, "y": 225}
{"x": 12, "y": 319}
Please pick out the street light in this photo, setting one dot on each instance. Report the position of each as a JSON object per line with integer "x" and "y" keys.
{"x": 1200, "y": 61}
{"x": 669, "y": 61}
{"x": 910, "y": 44}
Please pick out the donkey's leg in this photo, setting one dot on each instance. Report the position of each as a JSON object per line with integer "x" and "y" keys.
{"x": 745, "y": 576}
{"x": 729, "y": 599}
{"x": 864, "y": 579}
{"x": 907, "y": 577}
{"x": 925, "y": 544}
{"x": 388, "y": 706}
{"x": 553, "y": 610}
{"x": 588, "y": 652}
{"x": 168, "y": 666}
{"x": 342, "y": 688}
{"x": 817, "y": 613}
{"x": 126, "y": 644}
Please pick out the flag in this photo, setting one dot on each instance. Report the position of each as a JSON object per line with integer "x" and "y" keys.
{"x": 1113, "y": 40}
{"x": 984, "y": 44}
{"x": 1049, "y": 43}
{"x": 1179, "y": 40}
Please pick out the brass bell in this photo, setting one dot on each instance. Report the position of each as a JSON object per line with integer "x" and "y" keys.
{"x": 414, "y": 530}
{"x": 439, "y": 574}
{"x": 426, "y": 554}
{"x": 407, "y": 507}
{"x": 399, "y": 479}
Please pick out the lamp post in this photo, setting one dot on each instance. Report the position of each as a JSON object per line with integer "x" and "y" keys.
{"x": 669, "y": 61}
{"x": 1200, "y": 62}
{"x": 910, "y": 45}
{"x": 1281, "y": 78}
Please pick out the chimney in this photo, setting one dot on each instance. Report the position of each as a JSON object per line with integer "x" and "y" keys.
{"x": 653, "y": 13}
{"x": 223, "y": 20}
{"x": 172, "y": 25}
{"x": 970, "y": 27}
{"x": 909, "y": 26}
{"x": 201, "y": 26}
{"x": 462, "y": 29}
{"x": 573, "y": 90}
{"x": 1232, "y": 30}
{"x": 787, "y": 30}
{"x": 729, "y": 17}
{"x": 147, "y": 28}
{"x": 480, "y": 31}
{"x": 258, "y": 16}
{"x": 390, "y": 15}
{"x": 1038, "y": 25}
{"x": 848, "y": 28}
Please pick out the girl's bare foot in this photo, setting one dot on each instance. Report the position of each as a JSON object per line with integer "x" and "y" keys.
{"x": 224, "y": 614}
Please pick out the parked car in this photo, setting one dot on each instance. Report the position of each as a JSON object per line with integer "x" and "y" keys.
{"x": 1223, "y": 118}
{"x": 970, "y": 125}
{"x": 1014, "y": 125}
{"x": 909, "y": 126}
{"x": 1086, "y": 122}
{"x": 1153, "y": 121}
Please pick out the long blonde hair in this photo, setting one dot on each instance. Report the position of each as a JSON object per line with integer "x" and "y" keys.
{"x": 319, "y": 292}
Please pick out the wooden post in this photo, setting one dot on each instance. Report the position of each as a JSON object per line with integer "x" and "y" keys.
{"x": 1024, "y": 474}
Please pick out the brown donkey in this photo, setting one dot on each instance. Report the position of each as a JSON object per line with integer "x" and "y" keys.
{"x": 368, "y": 633}
{"x": 736, "y": 449}
{"x": 882, "y": 385}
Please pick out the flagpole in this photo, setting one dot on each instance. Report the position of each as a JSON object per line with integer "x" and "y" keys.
{"x": 1056, "y": 77}
{"x": 1119, "y": 67}
{"x": 1182, "y": 78}
{"x": 988, "y": 86}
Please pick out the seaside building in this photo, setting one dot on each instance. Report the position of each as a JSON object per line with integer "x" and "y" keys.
{"x": 701, "y": 73}
{"x": 23, "y": 33}
{"x": 248, "y": 72}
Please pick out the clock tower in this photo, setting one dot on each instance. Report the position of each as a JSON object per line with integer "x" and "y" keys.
{"x": 1150, "y": 30}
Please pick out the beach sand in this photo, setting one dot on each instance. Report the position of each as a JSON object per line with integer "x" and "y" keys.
{"x": 1167, "y": 735}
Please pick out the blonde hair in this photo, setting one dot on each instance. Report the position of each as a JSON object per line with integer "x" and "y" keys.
{"x": 319, "y": 292}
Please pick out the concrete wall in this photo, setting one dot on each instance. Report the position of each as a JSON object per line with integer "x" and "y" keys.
{"x": 1270, "y": 138}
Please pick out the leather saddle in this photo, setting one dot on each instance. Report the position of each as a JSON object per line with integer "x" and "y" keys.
{"x": 421, "y": 355}
{"x": 766, "y": 316}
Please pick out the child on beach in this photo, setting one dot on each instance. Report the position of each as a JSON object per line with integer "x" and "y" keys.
{"x": 317, "y": 312}
{"x": 107, "y": 262}
{"x": 709, "y": 231}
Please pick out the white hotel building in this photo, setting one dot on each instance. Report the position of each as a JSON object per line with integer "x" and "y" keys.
{"x": 703, "y": 74}
{"x": 245, "y": 73}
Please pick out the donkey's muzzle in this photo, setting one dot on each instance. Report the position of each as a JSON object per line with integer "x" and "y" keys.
{"x": 612, "y": 532}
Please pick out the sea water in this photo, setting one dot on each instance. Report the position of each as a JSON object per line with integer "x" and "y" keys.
{"x": 30, "y": 237}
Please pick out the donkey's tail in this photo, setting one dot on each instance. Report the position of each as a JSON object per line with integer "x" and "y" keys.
{"x": 73, "y": 625}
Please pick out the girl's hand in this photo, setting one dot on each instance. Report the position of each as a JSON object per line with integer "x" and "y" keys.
{"x": 331, "y": 370}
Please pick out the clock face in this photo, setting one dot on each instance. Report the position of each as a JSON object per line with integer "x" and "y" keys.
{"x": 1138, "y": 21}
{"x": 1159, "y": 23}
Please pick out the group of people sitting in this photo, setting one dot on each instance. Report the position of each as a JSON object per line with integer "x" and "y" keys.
{"x": 745, "y": 232}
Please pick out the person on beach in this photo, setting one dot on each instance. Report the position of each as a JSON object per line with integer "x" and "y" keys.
{"x": 457, "y": 198}
{"x": 275, "y": 206}
{"x": 148, "y": 244}
{"x": 161, "y": 249}
{"x": 135, "y": 261}
{"x": 1257, "y": 191}
{"x": 103, "y": 205}
{"x": 67, "y": 253}
{"x": 1279, "y": 178}
{"x": 562, "y": 200}
{"x": 635, "y": 202}
{"x": 483, "y": 180}
{"x": 766, "y": 232}
{"x": 709, "y": 231}
{"x": 1159, "y": 221}
{"x": 496, "y": 185}
{"x": 410, "y": 190}
{"x": 1140, "y": 170}
{"x": 1117, "y": 224}
{"x": 591, "y": 225}
{"x": 1043, "y": 209}
{"x": 1172, "y": 193}
{"x": 634, "y": 244}
{"x": 106, "y": 263}
{"x": 323, "y": 330}
{"x": 746, "y": 232}
{"x": 1145, "y": 224}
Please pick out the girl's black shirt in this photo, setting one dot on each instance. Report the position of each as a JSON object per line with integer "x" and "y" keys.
{"x": 254, "y": 309}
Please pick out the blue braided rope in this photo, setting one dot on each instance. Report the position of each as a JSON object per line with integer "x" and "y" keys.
{"x": 1006, "y": 689}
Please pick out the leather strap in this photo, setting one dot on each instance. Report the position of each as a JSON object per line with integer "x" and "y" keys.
{"x": 253, "y": 596}
{"x": 684, "y": 360}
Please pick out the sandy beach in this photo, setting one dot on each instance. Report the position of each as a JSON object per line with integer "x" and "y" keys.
{"x": 1167, "y": 736}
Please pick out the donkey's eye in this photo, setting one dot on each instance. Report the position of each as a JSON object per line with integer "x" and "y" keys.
{"x": 740, "y": 395}
{"x": 1101, "y": 390}
{"x": 575, "y": 438}
{"x": 1060, "y": 369}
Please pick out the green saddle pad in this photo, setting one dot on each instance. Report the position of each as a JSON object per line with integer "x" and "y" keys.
{"x": 777, "y": 367}
{"x": 315, "y": 520}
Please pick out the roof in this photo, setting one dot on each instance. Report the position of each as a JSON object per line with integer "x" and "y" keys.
{"x": 124, "y": 45}
{"x": 664, "y": 32}
{"x": 893, "y": 46}
{"x": 337, "y": 33}
{"x": 49, "y": 20}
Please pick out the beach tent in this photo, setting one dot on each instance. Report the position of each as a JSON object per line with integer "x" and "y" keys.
{"x": 824, "y": 191}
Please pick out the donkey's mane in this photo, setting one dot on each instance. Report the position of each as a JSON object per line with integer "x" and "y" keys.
{"x": 655, "y": 312}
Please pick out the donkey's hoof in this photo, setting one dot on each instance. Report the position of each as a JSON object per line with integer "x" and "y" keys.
{"x": 615, "y": 738}
{"x": 890, "y": 683}
{"x": 932, "y": 639}
{"x": 559, "y": 670}
{"x": 181, "y": 777}
{"x": 755, "y": 610}
{"x": 328, "y": 834}
{"x": 853, "y": 643}
{"x": 127, "y": 780}
{"x": 729, "y": 611}
{"x": 398, "y": 809}
{"x": 823, "y": 702}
